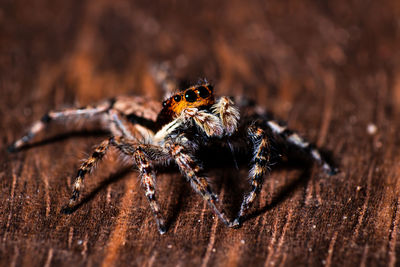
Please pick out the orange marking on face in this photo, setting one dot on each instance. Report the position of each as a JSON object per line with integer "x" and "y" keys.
{"x": 193, "y": 97}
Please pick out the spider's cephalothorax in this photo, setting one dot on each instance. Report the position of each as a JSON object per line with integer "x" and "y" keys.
{"x": 174, "y": 132}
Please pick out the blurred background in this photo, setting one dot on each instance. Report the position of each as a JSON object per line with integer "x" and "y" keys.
{"x": 330, "y": 68}
{"x": 275, "y": 52}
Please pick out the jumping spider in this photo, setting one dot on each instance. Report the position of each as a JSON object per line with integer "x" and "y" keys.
{"x": 188, "y": 120}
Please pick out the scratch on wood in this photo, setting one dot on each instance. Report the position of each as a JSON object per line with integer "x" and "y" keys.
{"x": 70, "y": 236}
{"x": 46, "y": 193}
{"x": 119, "y": 234}
{"x": 365, "y": 205}
{"x": 364, "y": 256}
{"x": 272, "y": 243}
{"x": 309, "y": 193}
{"x": 152, "y": 259}
{"x": 202, "y": 215}
{"x": 317, "y": 191}
{"x": 283, "y": 260}
{"x": 177, "y": 224}
{"x": 85, "y": 245}
{"x": 15, "y": 257}
{"x": 282, "y": 237}
{"x": 212, "y": 236}
{"x": 393, "y": 235}
{"x": 233, "y": 255}
{"x": 108, "y": 198}
{"x": 49, "y": 258}
{"x": 328, "y": 260}
{"x": 210, "y": 242}
{"x": 12, "y": 196}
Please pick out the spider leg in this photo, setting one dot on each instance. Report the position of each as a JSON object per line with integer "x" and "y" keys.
{"x": 86, "y": 167}
{"x": 299, "y": 142}
{"x": 139, "y": 153}
{"x": 144, "y": 155}
{"x": 52, "y": 116}
{"x": 228, "y": 114}
{"x": 190, "y": 169}
{"x": 260, "y": 162}
{"x": 119, "y": 126}
{"x": 148, "y": 182}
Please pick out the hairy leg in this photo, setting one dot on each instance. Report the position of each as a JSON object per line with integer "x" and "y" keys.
{"x": 67, "y": 114}
{"x": 190, "y": 169}
{"x": 228, "y": 114}
{"x": 299, "y": 142}
{"x": 86, "y": 167}
{"x": 119, "y": 125}
{"x": 139, "y": 153}
{"x": 260, "y": 166}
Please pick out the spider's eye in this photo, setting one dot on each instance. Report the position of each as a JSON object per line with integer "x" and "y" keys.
{"x": 190, "y": 96}
{"x": 164, "y": 103}
{"x": 203, "y": 92}
{"x": 177, "y": 98}
{"x": 210, "y": 87}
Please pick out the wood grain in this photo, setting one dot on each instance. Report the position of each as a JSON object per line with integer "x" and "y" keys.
{"x": 330, "y": 68}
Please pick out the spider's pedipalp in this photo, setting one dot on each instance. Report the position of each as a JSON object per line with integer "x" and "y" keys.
{"x": 228, "y": 113}
{"x": 207, "y": 122}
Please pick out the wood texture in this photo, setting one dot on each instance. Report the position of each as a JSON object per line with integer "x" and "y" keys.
{"x": 330, "y": 68}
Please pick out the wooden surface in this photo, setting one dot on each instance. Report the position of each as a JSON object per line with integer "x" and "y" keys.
{"x": 330, "y": 68}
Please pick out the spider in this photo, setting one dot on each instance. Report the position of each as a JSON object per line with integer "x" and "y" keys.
{"x": 187, "y": 121}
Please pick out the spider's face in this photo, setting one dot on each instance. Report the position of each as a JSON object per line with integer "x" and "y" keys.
{"x": 193, "y": 97}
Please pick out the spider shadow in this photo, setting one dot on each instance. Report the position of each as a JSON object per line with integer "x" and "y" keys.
{"x": 296, "y": 160}
{"x": 235, "y": 187}
{"x": 287, "y": 190}
{"x": 175, "y": 207}
{"x": 173, "y": 210}
{"x": 113, "y": 178}
{"x": 60, "y": 137}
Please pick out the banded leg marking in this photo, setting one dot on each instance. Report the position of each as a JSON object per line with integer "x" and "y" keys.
{"x": 86, "y": 167}
{"x": 140, "y": 154}
{"x": 296, "y": 140}
{"x": 51, "y": 116}
{"x": 191, "y": 171}
{"x": 148, "y": 182}
{"x": 260, "y": 167}
{"x": 131, "y": 149}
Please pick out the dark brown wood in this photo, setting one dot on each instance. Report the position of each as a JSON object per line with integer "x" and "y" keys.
{"x": 330, "y": 68}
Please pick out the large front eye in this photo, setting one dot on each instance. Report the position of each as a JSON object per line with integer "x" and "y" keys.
{"x": 203, "y": 92}
{"x": 177, "y": 98}
{"x": 190, "y": 96}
